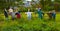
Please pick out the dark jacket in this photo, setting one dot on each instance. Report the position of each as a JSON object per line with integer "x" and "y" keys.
{"x": 5, "y": 13}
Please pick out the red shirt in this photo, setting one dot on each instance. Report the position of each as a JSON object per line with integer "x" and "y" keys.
{"x": 18, "y": 15}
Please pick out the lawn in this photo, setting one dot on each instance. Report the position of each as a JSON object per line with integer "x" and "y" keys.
{"x": 35, "y": 24}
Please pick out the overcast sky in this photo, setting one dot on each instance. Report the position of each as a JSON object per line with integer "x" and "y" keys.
{"x": 28, "y": 0}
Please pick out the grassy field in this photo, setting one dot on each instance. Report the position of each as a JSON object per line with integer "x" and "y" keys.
{"x": 35, "y": 24}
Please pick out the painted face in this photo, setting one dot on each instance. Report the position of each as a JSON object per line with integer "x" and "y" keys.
{"x": 39, "y": 8}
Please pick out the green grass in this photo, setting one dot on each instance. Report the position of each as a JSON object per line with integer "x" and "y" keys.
{"x": 35, "y": 24}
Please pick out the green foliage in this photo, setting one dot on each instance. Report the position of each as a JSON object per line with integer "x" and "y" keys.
{"x": 35, "y": 24}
